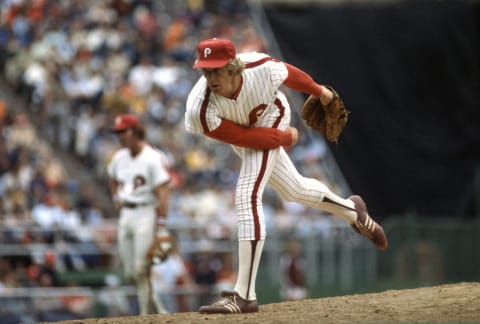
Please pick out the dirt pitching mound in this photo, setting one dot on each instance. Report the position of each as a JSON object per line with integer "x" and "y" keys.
{"x": 445, "y": 303}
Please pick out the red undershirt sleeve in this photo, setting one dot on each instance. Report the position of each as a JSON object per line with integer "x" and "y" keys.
{"x": 300, "y": 81}
{"x": 259, "y": 138}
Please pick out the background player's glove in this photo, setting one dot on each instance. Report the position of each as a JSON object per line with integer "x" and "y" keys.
{"x": 329, "y": 119}
{"x": 161, "y": 247}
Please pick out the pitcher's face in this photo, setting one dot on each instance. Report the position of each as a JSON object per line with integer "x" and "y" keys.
{"x": 220, "y": 81}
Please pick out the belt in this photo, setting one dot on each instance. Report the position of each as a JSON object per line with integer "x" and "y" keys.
{"x": 132, "y": 205}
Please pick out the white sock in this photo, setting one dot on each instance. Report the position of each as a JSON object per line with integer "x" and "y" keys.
{"x": 344, "y": 208}
{"x": 143, "y": 292}
{"x": 249, "y": 253}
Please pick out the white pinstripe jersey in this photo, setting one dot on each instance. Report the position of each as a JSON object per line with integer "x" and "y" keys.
{"x": 256, "y": 104}
{"x": 138, "y": 176}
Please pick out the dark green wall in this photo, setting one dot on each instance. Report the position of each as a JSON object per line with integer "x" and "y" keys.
{"x": 410, "y": 74}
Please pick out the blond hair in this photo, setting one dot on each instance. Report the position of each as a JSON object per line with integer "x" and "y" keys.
{"x": 236, "y": 66}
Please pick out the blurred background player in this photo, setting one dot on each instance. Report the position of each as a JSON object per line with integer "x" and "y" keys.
{"x": 139, "y": 184}
{"x": 238, "y": 101}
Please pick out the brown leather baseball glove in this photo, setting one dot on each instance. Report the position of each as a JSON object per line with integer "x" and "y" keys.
{"x": 161, "y": 247}
{"x": 329, "y": 119}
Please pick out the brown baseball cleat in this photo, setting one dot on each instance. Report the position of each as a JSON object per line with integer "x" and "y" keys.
{"x": 233, "y": 304}
{"x": 367, "y": 226}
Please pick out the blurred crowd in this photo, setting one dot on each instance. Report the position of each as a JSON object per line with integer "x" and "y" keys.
{"x": 78, "y": 63}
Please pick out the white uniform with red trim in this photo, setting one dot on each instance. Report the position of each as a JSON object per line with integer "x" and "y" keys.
{"x": 137, "y": 178}
{"x": 259, "y": 103}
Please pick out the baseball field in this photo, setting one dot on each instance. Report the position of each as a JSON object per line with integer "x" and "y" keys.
{"x": 452, "y": 303}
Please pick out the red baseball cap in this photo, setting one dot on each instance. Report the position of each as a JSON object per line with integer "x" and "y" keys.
{"x": 214, "y": 53}
{"x": 125, "y": 121}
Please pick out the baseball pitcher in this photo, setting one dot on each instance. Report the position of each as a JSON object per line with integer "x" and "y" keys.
{"x": 237, "y": 101}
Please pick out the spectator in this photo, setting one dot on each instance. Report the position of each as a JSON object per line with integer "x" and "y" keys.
{"x": 205, "y": 267}
{"x": 141, "y": 76}
{"x": 168, "y": 279}
{"x": 47, "y": 215}
{"x": 113, "y": 299}
{"x": 292, "y": 272}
